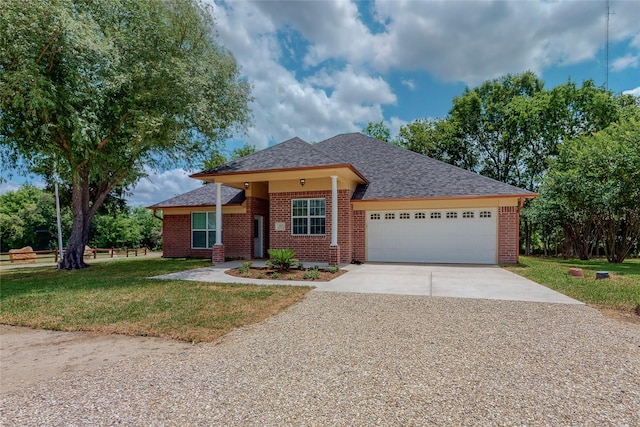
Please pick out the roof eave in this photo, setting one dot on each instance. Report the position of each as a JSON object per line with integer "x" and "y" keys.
{"x": 202, "y": 176}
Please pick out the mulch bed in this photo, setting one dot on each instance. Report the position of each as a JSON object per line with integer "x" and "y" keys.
{"x": 298, "y": 275}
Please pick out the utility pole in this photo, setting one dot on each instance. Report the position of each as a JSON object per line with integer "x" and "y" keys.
{"x": 55, "y": 186}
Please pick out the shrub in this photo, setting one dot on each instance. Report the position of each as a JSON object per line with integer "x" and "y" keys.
{"x": 291, "y": 277}
{"x": 332, "y": 270}
{"x": 275, "y": 275}
{"x": 282, "y": 259}
{"x": 245, "y": 267}
{"x": 312, "y": 274}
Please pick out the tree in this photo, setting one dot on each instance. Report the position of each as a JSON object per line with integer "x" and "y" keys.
{"x": 593, "y": 188}
{"x": 243, "y": 151}
{"x": 127, "y": 229}
{"x": 95, "y": 90}
{"x": 378, "y": 130}
{"x": 437, "y": 139}
{"x": 28, "y": 218}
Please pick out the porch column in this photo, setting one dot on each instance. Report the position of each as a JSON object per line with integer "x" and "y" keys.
{"x": 218, "y": 213}
{"x": 334, "y": 210}
{"x": 217, "y": 253}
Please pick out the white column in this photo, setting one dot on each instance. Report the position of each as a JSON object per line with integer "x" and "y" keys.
{"x": 218, "y": 213}
{"x": 334, "y": 210}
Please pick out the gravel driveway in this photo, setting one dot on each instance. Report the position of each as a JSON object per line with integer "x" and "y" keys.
{"x": 366, "y": 359}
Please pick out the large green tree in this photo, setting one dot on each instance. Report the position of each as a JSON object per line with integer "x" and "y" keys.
{"x": 378, "y": 130}
{"x": 28, "y": 218}
{"x": 593, "y": 189}
{"x": 95, "y": 90}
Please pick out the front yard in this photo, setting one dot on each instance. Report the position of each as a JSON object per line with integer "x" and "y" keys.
{"x": 117, "y": 297}
{"x": 620, "y": 293}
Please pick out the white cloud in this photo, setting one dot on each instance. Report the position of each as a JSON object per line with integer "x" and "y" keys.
{"x": 634, "y": 92}
{"x": 395, "y": 124}
{"x": 159, "y": 186}
{"x": 627, "y": 61}
{"x": 318, "y": 70}
{"x": 327, "y": 100}
{"x": 409, "y": 83}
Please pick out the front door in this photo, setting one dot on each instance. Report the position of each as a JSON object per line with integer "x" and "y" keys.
{"x": 258, "y": 236}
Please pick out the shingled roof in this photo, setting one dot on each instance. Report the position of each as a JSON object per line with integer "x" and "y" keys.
{"x": 293, "y": 153}
{"x": 392, "y": 172}
{"x": 203, "y": 196}
{"x": 396, "y": 173}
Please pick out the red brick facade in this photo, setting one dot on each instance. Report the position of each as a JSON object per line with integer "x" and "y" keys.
{"x": 311, "y": 248}
{"x": 238, "y": 231}
{"x": 508, "y": 234}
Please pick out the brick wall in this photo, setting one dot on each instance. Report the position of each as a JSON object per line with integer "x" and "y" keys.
{"x": 237, "y": 233}
{"x": 310, "y": 248}
{"x": 358, "y": 233}
{"x": 508, "y": 234}
{"x": 176, "y": 238}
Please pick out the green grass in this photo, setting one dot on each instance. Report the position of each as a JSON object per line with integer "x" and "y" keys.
{"x": 118, "y": 297}
{"x": 621, "y": 292}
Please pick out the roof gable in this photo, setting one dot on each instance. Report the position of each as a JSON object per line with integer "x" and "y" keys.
{"x": 291, "y": 154}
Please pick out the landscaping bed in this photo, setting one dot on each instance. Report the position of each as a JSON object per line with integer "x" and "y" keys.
{"x": 266, "y": 273}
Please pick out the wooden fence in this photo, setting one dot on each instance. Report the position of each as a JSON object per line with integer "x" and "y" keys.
{"x": 54, "y": 254}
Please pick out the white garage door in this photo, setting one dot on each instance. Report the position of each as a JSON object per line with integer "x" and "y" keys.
{"x": 432, "y": 236}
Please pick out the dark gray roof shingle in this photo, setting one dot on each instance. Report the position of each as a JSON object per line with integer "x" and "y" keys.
{"x": 203, "y": 196}
{"x": 394, "y": 172}
{"x": 294, "y": 153}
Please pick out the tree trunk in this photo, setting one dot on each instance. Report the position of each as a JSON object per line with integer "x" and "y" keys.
{"x": 82, "y": 214}
{"x": 528, "y": 229}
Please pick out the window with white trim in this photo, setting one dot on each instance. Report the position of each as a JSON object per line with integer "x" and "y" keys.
{"x": 375, "y": 216}
{"x": 419, "y": 215}
{"x": 436, "y": 215}
{"x": 389, "y": 216}
{"x": 467, "y": 214}
{"x": 452, "y": 215}
{"x": 405, "y": 215}
{"x": 485, "y": 214}
{"x": 308, "y": 216}
{"x": 203, "y": 230}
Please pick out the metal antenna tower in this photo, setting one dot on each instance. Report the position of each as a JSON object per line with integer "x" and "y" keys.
{"x": 606, "y": 80}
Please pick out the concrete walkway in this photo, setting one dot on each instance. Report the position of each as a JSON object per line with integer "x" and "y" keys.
{"x": 458, "y": 281}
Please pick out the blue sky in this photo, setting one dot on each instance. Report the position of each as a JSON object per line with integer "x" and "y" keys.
{"x": 319, "y": 68}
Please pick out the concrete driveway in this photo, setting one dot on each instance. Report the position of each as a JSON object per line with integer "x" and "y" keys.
{"x": 458, "y": 281}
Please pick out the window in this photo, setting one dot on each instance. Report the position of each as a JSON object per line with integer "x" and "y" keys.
{"x": 452, "y": 215}
{"x": 405, "y": 215}
{"x": 467, "y": 214}
{"x": 485, "y": 214}
{"x": 420, "y": 215}
{"x": 436, "y": 215}
{"x": 203, "y": 229}
{"x": 308, "y": 216}
{"x": 375, "y": 216}
{"x": 389, "y": 216}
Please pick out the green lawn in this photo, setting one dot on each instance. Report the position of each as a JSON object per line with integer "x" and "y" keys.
{"x": 621, "y": 292}
{"x": 118, "y": 297}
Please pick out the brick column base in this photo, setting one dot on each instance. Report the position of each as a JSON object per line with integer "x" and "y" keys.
{"x": 334, "y": 255}
{"x": 217, "y": 254}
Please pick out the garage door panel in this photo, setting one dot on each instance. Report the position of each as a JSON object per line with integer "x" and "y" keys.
{"x": 409, "y": 238}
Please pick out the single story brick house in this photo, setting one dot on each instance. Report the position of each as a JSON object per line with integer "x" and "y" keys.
{"x": 350, "y": 197}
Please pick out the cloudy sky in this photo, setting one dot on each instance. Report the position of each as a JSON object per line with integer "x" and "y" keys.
{"x": 319, "y": 68}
